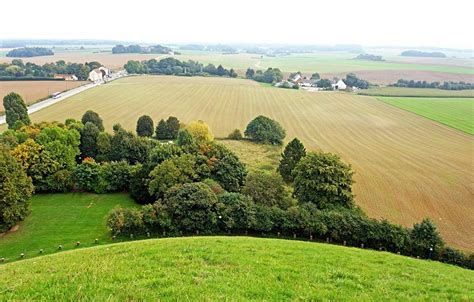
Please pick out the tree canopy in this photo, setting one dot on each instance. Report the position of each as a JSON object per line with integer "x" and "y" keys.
{"x": 265, "y": 130}
{"x": 15, "y": 110}
{"x": 290, "y": 157}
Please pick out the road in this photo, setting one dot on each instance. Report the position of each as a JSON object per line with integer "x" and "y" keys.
{"x": 51, "y": 101}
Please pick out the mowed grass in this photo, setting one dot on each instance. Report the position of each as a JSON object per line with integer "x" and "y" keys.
{"x": 62, "y": 219}
{"x": 407, "y": 167}
{"x": 454, "y": 112}
{"x": 416, "y": 92}
{"x": 232, "y": 268}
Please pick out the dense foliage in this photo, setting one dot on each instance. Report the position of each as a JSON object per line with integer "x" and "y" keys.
{"x": 290, "y": 157}
{"x": 145, "y": 126}
{"x": 369, "y": 57}
{"x": 26, "y": 52}
{"x": 167, "y": 129}
{"x": 424, "y": 84}
{"x": 15, "y": 110}
{"x": 265, "y": 130}
{"x": 155, "y": 49}
{"x": 172, "y": 66}
{"x": 271, "y": 75}
{"x": 15, "y": 190}
{"x": 417, "y": 53}
{"x": 323, "y": 180}
{"x": 17, "y": 70}
{"x": 352, "y": 80}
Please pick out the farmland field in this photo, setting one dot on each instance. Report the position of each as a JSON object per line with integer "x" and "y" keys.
{"x": 407, "y": 167}
{"x": 32, "y": 91}
{"x": 455, "y": 112}
{"x": 416, "y": 92}
{"x": 61, "y": 219}
{"x": 216, "y": 268}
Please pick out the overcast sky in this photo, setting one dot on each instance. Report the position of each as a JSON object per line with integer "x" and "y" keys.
{"x": 366, "y": 22}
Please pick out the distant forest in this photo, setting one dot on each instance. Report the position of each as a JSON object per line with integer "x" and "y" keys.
{"x": 17, "y": 70}
{"x": 26, "y": 52}
{"x": 369, "y": 57}
{"x": 417, "y": 53}
{"x": 156, "y": 49}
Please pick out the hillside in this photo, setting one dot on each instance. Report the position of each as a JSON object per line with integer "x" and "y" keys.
{"x": 400, "y": 174}
{"x": 213, "y": 268}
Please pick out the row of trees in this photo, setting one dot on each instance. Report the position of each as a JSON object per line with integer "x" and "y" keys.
{"x": 437, "y": 85}
{"x": 417, "y": 53}
{"x": 352, "y": 80}
{"x": 172, "y": 66}
{"x": 369, "y": 57}
{"x": 271, "y": 75}
{"x": 18, "y": 70}
{"x": 156, "y": 49}
{"x": 26, "y": 52}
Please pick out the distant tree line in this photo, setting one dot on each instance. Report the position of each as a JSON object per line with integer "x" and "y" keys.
{"x": 369, "y": 57}
{"x": 155, "y": 49}
{"x": 424, "y": 84}
{"x": 352, "y": 80}
{"x": 172, "y": 66}
{"x": 18, "y": 70}
{"x": 417, "y": 53}
{"x": 271, "y": 75}
{"x": 26, "y": 52}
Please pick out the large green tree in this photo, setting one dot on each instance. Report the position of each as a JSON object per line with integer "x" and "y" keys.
{"x": 324, "y": 180}
{"x": 162, "y": 131}
{"x": 15, "y": 110}
{"x": 265, "y": 130}
{"x": 15, "y": 190}
{"x": 290, "y": 157}
{"x": 89, "y": 135}
{"x": 145, "y": 126}
{"x": 94, "y": 118}
{"x": 267, "y": 189}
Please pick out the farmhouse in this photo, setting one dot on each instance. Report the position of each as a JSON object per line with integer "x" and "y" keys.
{"x": 65, "y": 77}
{"x": 339, "y": 85}
{"x": 305, "y": 83}
{"x": 99, "y": 75}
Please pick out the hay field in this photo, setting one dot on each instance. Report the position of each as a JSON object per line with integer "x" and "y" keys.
{"x": 32, "y": 91}
{"x": 407, "y": 167}
{"x": 416, "y": 92}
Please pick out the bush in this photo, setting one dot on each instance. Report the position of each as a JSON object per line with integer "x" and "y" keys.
{"x": 139, "y": 180}
{"x": 87, "y": 176}
{"x": 115, "y": 176}
{"x": 235, "y": 135}
{"x": 126, "y": 221}
{"x": 226, "y": 168}
{"x": 15, "y": 191}
{"x": 324, "y": 180}
{"x": 214, "y": 185}
{"x": 163, "y": 152}
{"x": 192, "y": 207}
{"x": 427, "y": 242}
{"x": 265, "y": 130}
{"x": 184, "y": 138}
{"x": 267, "y": 189}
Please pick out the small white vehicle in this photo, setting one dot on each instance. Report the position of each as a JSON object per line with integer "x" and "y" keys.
{"x": 56, "y": 95}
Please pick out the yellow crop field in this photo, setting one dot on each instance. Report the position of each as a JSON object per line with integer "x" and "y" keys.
{"x": 407, "y": 167}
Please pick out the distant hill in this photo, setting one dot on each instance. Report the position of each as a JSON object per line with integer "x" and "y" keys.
{"x": 27, "y": 52}
{"x": 232, "y": 268}
{"x": 417, "y": 53}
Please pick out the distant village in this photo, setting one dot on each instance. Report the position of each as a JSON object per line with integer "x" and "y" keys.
{"x": 297, "y": 80}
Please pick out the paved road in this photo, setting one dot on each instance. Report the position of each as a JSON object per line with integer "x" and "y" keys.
{"x": 48, "y": 102}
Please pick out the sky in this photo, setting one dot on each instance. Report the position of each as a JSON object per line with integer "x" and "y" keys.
{"x": 364, "y": 22}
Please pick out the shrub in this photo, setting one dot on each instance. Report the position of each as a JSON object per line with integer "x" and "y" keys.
{"x": 192, "y": 207}
{"x": 126, "y": 221}
{"x": 163, "y": 152}
{"x": 15, "y": 190}
{"x": 226, "y": 168}
{"x": 323, "y": 179}
{"x": 235, "y": 135}
{"x": 185, "y": 138}
{"x": 139, "y": 180}
{"x": 214, "y": 185}
{"x": 87, "y": 176}
{"x": 115, "y": 176}
{"x": 290, "y": 157}
{"x": 427, "y": 242}
{"x": 267, "y": 189}
{"x": 265, "y": 130}
{"x": 145, "y": 126}
{"x": 60, "y": 181}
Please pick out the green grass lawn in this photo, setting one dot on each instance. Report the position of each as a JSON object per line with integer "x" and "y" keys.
{"x": 62, "y": 219}
{"x": 416, "y": 92}
{"x": 232, "y": 268}
{"x": 454, "y": 112}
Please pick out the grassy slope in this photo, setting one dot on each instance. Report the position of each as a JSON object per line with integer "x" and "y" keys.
{"x": 454, "y": 112}
{"x": 256, "y": 156}
{"x": 415, "y": 92}
{"x": 387, "y": 147}
{"x": 62, "y": 219}
{"x": 237, "y": 268}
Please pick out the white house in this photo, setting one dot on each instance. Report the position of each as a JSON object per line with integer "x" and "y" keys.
{"x": 340, "y": 85}
{"x": 99, "y": 74}
{"x": 305, "y": 83}
{"x": 295, "y": 78}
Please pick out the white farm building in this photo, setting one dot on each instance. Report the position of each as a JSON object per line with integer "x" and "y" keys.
{"x": 340, "y": 85}
{"x": 99, "y": 74}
